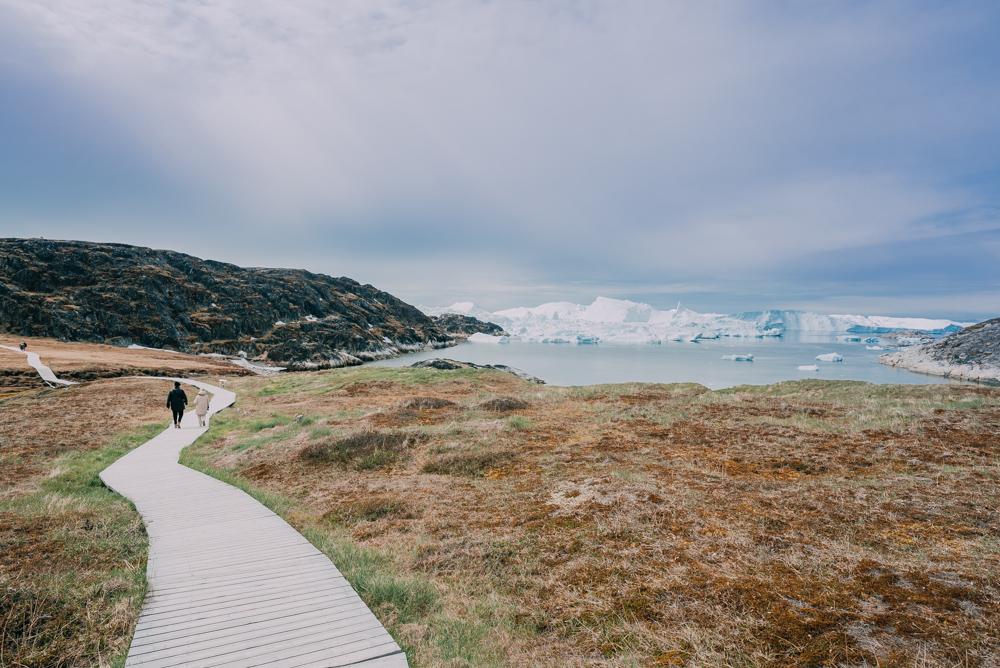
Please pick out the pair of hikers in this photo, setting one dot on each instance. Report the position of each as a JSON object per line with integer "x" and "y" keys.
{"x": 177, "y": 401}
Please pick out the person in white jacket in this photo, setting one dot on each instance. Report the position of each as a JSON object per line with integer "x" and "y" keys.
{"x": 201, "y": 406}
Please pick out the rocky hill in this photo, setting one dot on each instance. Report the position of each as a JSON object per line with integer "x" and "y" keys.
{"x": 119, "y": 294}
{"x": 463, "y": 326}
{"x": 971, "y": 354}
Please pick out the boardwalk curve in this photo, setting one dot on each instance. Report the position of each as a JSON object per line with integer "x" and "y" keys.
{"x": 230, "y": 583}
{"x": 44, "y": 372}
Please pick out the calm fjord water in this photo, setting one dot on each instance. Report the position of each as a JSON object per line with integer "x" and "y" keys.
{"x": 775, "y": 359}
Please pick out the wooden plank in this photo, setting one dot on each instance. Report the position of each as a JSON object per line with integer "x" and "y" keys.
{"x": 230, "y": 582}
{"x": 43, "y": 371}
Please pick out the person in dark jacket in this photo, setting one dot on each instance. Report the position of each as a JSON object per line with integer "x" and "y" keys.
{"x": 176, "y": 401}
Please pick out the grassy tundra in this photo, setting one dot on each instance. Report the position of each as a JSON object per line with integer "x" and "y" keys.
{"x": 72, "y": 553}
{"x": 489, "y": 521}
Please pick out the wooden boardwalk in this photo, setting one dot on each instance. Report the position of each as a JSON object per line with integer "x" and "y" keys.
{"x": 43, "y": 371}
{"x": 230, "y": 582}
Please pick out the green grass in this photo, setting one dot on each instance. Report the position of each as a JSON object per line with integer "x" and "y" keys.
{"x": 519, "y": 423}
{"x": 260, "y": 424}
{"x": 470, "y": 463}
{"x": 364, "y": 450}
{"x": 79, "y": 605}
{"x": 372, "y": 509}
{"x": 398, "y": 599}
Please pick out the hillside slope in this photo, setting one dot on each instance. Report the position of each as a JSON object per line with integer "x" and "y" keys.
{"x": 971, "y": 354}
{"x": 120, "y": 294}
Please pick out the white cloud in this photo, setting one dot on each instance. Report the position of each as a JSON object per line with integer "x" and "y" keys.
{"x": 679, "y": 140}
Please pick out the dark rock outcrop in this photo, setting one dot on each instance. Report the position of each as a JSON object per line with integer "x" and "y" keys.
{"x": 971, "y": 354}
{"x": 463, "y": 326}
{"x": 119, "y": 294}
{"x": 977, "y": 344}
{"x": 445, "y": 364}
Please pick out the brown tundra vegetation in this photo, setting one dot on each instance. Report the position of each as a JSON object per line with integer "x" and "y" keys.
{"x": 490, "y": 521}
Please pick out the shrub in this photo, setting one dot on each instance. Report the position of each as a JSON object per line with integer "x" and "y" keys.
{"x": 371, "y": 509}
{"x": 268, "y": 423}
{"x": 468, "y": 463}
{"x": 519, "y": 423}
{"x": 504, "y": 404}
{"x": 426, "y": 403}
{"x": 364, "y": 450}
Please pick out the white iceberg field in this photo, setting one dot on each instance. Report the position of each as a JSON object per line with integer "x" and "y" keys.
{"x": 622, "y": 321}
{"x": 830, "y": 357}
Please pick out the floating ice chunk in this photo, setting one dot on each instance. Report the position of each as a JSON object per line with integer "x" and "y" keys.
{"x": 830, "y": 357}
{"x": 479, "y": 337}
{"x": 874, "y": 348}
{"x": 587, "y": 340}
{"x": 850, "y": 338}
{"x": 744, "y": 357}
{"x": 809, "y": 367}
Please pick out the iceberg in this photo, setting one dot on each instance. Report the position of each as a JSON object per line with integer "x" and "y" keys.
{"x": 874, "y": 348}
{"x": 479, "y": 337}
{"x": 830, "y": 357}
{"x": 621, "y": 321}
{"x": 809, "y": 367}
{"x": 807, "y": 321}
{"x": 745, "y": 357}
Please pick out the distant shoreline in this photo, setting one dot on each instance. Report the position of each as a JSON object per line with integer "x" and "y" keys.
{"x": 919, "y": 360}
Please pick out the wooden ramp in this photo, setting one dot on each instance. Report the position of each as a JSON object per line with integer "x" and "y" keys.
{"x": 230, "y": 582}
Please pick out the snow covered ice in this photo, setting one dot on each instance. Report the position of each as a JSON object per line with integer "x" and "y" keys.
{"x": 620, "y": 321}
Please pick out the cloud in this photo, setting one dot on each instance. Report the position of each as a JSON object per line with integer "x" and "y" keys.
{"x": 567, "y": 142}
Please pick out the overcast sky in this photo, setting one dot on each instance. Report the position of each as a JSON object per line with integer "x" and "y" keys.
{"x": 838, "y": 156}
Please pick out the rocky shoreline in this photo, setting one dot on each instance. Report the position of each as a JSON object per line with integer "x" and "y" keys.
{"x": 972, "y": 354}
{"x": 128, "y": 295}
